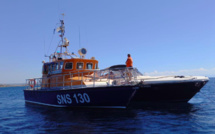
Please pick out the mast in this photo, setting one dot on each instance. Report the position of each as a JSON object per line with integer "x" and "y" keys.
{"x": 62, "y": 31}
{"x": 63, "y": 44}
{"x": 64, "y": 41}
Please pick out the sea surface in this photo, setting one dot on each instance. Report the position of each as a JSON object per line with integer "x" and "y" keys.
{"x": 196, "y": 116}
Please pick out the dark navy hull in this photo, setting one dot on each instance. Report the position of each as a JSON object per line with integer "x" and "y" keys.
{"x": 167, "y": 92}
{"x": 100, "y": 97}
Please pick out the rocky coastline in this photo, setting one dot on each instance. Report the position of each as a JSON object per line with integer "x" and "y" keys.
{"x": 12, "y": 85}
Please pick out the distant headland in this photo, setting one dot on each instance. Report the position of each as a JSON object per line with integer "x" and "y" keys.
{"x": 12, "y": 85}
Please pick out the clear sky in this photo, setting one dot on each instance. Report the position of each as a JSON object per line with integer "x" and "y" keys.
{"x": 164, "y": 37}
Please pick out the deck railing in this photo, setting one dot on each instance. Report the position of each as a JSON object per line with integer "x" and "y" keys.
{"x": 83, "y": 79}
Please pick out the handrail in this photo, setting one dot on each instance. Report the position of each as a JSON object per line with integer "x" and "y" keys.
{"x": 112, "y": 77}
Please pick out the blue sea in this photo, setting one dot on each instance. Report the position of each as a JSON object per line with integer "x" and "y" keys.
{"x": 197, "y": 116}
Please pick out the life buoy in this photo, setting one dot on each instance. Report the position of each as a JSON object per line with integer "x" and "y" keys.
{"x": 32, "y": 82}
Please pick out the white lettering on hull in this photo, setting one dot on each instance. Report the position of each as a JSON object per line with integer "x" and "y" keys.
{"x": 77, "y": 98}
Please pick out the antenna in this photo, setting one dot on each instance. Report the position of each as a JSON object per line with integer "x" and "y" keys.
{"x": 44, "y": 47}
{"x": 79, "y": 37}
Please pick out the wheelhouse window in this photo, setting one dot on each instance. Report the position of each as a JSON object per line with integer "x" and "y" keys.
{"x": 69, "y": 65}
{"x": 80, "y": 65}
{"x": 45, "y": 68}
{"x": 96, "y": 66}
{"x": 89, "y": 66}
{"x": 53, "y": 67}
{"x": 57, "y": 66}
{"x": 61, "y": 65}
{"x": 50, "y": 68}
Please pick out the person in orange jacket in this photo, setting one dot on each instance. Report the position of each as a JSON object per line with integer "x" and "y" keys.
{"x": 129, "y": 61}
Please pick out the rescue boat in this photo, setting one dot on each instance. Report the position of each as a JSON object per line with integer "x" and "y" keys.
{"x": 69, "y": 80}
{"x": 74, "y": 81}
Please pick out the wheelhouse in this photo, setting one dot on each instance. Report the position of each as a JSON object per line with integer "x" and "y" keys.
{"x": 69, "y": 65}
